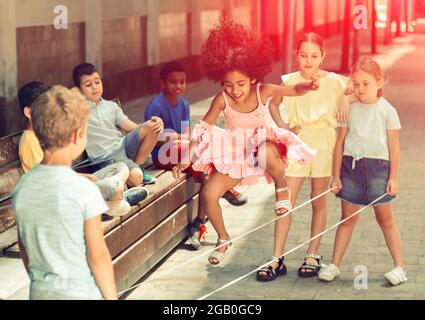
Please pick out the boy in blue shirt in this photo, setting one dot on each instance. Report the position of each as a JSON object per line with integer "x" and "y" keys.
{"x": 174, "y": 142}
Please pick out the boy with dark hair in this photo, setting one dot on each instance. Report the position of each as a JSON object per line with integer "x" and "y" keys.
{"x": 30, "y": 151}
{"x": 174, "y": 141}
{"x": 58, "y": 212}
{"x": 106, "y": 123}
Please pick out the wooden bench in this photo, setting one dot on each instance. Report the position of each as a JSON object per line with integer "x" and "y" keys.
{"x": 136, "y": 241}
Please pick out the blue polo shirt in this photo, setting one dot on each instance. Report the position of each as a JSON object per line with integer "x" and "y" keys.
{"x": 175, "y": 117}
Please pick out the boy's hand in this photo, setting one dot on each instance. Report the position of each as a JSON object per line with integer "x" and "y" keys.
{"x": 392, "y": 187}
{"x": 336, "y": 184}
{"x": 157, "y": 124}
{"x": 178, "y": 169}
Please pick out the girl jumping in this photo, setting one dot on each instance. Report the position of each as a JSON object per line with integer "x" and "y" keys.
{"x": 252, "y": 146}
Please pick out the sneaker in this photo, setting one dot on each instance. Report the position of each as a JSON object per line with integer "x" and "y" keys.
{"x": 196, "y": 233}
{"x": 329, "y": 273}
{"x": 105, "y": 217}
{"x": 147, "y": 177}
{"x": 118, "y": 208}
{"x": 234, "y": 197}
{"x": 396, "y": 276}
{"x": 134, "y": 195}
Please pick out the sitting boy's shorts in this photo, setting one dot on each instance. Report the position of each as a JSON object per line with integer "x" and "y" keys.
{"x": 127, "y": 149}
{"x": 364, "y": 183}
{"x": 108, "y": 182}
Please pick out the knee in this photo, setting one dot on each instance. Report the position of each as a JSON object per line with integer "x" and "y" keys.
{"x": 135, "y": 178}
{"x": 386, "y": 223}
{"x": 350, "y": 223}
{"x": 146, "y": 131}
{"x": 209, "y": 195}
{"x": 318, "y": 205}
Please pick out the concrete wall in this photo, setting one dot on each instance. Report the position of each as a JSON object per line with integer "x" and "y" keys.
{"x": 128, "y": 40}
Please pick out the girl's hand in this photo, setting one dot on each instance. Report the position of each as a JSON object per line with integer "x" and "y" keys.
{"x": 392, "y": 187}
{"x": 315, "y": 84}
{"x": 178, "y": 169}
{"x": 342, "y": 112}
{"x": 336, "y": 184}
{"x": 295, "y": 129}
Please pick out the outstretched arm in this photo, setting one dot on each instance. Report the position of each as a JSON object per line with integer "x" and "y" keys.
{"x": 299, "y": 89}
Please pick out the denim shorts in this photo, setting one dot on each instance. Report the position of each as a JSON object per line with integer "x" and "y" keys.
{"x": 127, "y": 149}
{"x": 365, "y": 182}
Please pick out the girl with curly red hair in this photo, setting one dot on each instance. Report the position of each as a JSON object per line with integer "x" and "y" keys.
{"x": 252, "y": 146}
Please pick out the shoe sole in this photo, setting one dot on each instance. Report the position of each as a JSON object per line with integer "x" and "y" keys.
{"x": 328, "y": 280}
{"x": 241, "y": 203}
{"x": 265, "y": 279}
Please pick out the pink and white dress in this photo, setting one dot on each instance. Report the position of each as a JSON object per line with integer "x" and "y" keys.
{"x": 233, "y": 151}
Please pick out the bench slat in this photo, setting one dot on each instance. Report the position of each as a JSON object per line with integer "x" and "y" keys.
{"x": 137, "y": 260}
{"x": 9, "y": 148}
{"x": 142, "y": 222}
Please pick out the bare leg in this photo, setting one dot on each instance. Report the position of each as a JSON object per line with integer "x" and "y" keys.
{"x": 281, "y": 226}
{"x": 344, "y": 231}
{"x": 148, "y": 140}
{"x": 135, "y": 178}
{"x": 201, "y": 208}
{"x": 217, "y": 184}
{"x": 319, "y": 218}
{"x": 384, "y": 217}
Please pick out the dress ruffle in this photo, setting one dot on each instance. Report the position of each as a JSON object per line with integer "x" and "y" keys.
{"x": 234, "y": 152}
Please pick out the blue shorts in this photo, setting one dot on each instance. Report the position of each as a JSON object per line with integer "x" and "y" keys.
{"x": 127, "y": 149}
{"x": 366, "y": 182}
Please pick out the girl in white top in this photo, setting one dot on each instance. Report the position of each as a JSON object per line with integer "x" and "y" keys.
{"x": 366, "y": 166}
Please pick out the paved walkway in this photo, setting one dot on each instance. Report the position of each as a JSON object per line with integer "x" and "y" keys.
{"x": 406, "y": 75}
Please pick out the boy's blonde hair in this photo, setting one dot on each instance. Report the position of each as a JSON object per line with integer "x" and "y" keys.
{"x": 56, "y": 114}
{"x": 371, "y": 67}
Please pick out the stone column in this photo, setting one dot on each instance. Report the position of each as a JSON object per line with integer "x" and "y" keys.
{"x": 8, "y": 47}
{"x": 195, "y": 23}
{"x": 153, "y": 50}
{"x": 93, "y": 28}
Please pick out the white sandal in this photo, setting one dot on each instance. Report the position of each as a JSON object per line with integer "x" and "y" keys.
{"x": 283, "y": 204}
{"x": 219, "y": 256}
{"x": 396, "y": 276}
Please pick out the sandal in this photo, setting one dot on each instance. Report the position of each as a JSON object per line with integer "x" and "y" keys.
{"x": 283, "y": 204}
{"x": 219, "y": 256}
{"x": 308, "y": 270}
{"x": 270, "y": 272}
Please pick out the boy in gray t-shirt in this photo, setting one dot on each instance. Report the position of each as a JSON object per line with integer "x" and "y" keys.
{"x": 110, "y": 134}
{"x": 58, "y": 212}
